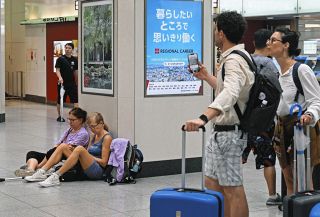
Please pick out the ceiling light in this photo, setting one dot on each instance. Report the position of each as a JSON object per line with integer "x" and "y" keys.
{"x": 312, "y": 25}
{"x": 76, "y": 5}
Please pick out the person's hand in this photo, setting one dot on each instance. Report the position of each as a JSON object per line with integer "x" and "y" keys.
{"x": 306, "y": 119}
{"x": 193, "y": 125}
{"x": 60, "y": 81}
{"x": 202, "y": 74}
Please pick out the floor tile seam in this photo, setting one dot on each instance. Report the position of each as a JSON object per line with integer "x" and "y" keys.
{"x": 31, "y": 194}
{"x": 138, "y": 210}
{"x": 12, "y": 197}
{"x": 38, "y": 207}
{"x": 41, "y": 208}
{"x": 126, "y": 210}
{"x": 31, "y": 208}
{"x": 63, "y": 204}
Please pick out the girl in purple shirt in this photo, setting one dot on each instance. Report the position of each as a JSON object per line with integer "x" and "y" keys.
{"x": 75, "y": 136}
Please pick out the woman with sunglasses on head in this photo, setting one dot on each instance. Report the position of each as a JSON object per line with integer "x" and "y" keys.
{"x": 283, "y": 45}
{"x": 76, "y": 135}
{"x": 92, "y": 160}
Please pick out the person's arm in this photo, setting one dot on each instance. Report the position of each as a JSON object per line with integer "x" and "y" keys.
{"x": 59, "y": 75}
{"x": 193, "y": 125}
{"x": 75, "y": 74}
{"x": 233, "y": 82}
{"x": 204, "y": 75}
{"x": 311, "y": 91}
{"x": 105, "y": 153}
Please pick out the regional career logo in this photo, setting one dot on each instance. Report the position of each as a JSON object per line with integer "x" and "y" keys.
{"x": 158, "y": 51}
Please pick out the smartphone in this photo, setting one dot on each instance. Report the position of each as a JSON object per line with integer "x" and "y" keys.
{"x": 193, "y": 62}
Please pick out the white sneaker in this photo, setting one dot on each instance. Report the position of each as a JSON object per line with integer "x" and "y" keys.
{"x": 50, "y": 172}
{"x": 23, "y": 172}
{"x": 38, "y": 176}
{"x": 50, "y": 181}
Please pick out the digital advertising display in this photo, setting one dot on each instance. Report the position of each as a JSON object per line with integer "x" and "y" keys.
{"x": 173, "y": 30}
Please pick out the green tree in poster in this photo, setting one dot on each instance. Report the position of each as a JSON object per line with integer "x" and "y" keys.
{"x": 97, "y": 30}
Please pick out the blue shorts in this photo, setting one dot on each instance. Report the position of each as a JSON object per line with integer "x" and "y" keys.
{"x": 95, "y": 171}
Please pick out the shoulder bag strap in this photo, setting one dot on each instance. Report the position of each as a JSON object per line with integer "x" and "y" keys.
{"x": 296, "y": 80}
{"x": 69, "y": 131}
{"x": 66, "y": 61}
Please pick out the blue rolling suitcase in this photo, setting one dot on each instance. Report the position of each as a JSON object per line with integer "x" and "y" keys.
{"x": 184, "y": 202}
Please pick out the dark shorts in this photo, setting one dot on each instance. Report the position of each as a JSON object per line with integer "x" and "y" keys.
{"x": 39, "y": 156}
{"x": 263, "y": 150}
{"x": 71, "y": 91}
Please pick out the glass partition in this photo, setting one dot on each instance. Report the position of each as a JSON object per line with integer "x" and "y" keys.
{"x": 268, "y": 7}
{"x": 308, "y": 6}
{"x": 231, "y": 5}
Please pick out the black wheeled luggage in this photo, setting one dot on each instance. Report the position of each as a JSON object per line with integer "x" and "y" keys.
{"x": 301, "y": 203}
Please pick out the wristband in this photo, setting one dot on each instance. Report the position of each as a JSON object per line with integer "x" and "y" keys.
{"x": 309, "y": 114}
{"x": 204, "y": 118}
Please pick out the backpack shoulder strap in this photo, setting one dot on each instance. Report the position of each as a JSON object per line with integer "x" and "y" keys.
{"x": 296, "y": 80}
{"x": 67, "y": 134}
{"x": 252, "y": 66}
{"x": 251, "y": 63}
{"x": 65, "y": 60}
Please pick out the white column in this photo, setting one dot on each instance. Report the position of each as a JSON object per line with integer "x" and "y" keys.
{"x": 2, "y": 63}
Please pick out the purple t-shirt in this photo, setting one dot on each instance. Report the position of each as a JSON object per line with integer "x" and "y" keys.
{"x": 81, "y": 137}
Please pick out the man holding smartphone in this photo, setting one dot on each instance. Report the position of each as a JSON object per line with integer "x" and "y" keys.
{"x": 223, "y": 169}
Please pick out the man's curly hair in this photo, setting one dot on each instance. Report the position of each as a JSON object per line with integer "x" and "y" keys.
{"x": 232, "y": 24}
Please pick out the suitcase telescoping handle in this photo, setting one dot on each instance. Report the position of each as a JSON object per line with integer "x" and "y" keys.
{"x": 183, "y": 159}
{"x": 304, "y": 182}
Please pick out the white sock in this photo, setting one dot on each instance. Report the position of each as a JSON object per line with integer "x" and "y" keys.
{"x": 273, "y": 196}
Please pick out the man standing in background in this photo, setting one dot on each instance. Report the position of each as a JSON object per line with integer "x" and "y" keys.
{"x": 262, "y": 144}
{"x": 67, "y": 72}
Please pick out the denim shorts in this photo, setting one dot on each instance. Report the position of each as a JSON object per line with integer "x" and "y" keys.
{"x": 223, "y": 157}
{"x": 95, "y": 171}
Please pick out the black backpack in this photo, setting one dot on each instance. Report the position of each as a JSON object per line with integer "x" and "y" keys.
{"x": 133, "y": 159}
{"x": 258, "y": 115}
{"x": 133, "y": 162}
{"x": 296, "y": 81}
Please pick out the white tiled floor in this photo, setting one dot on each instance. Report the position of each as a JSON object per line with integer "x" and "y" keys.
{"x": 31, "y": 126}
